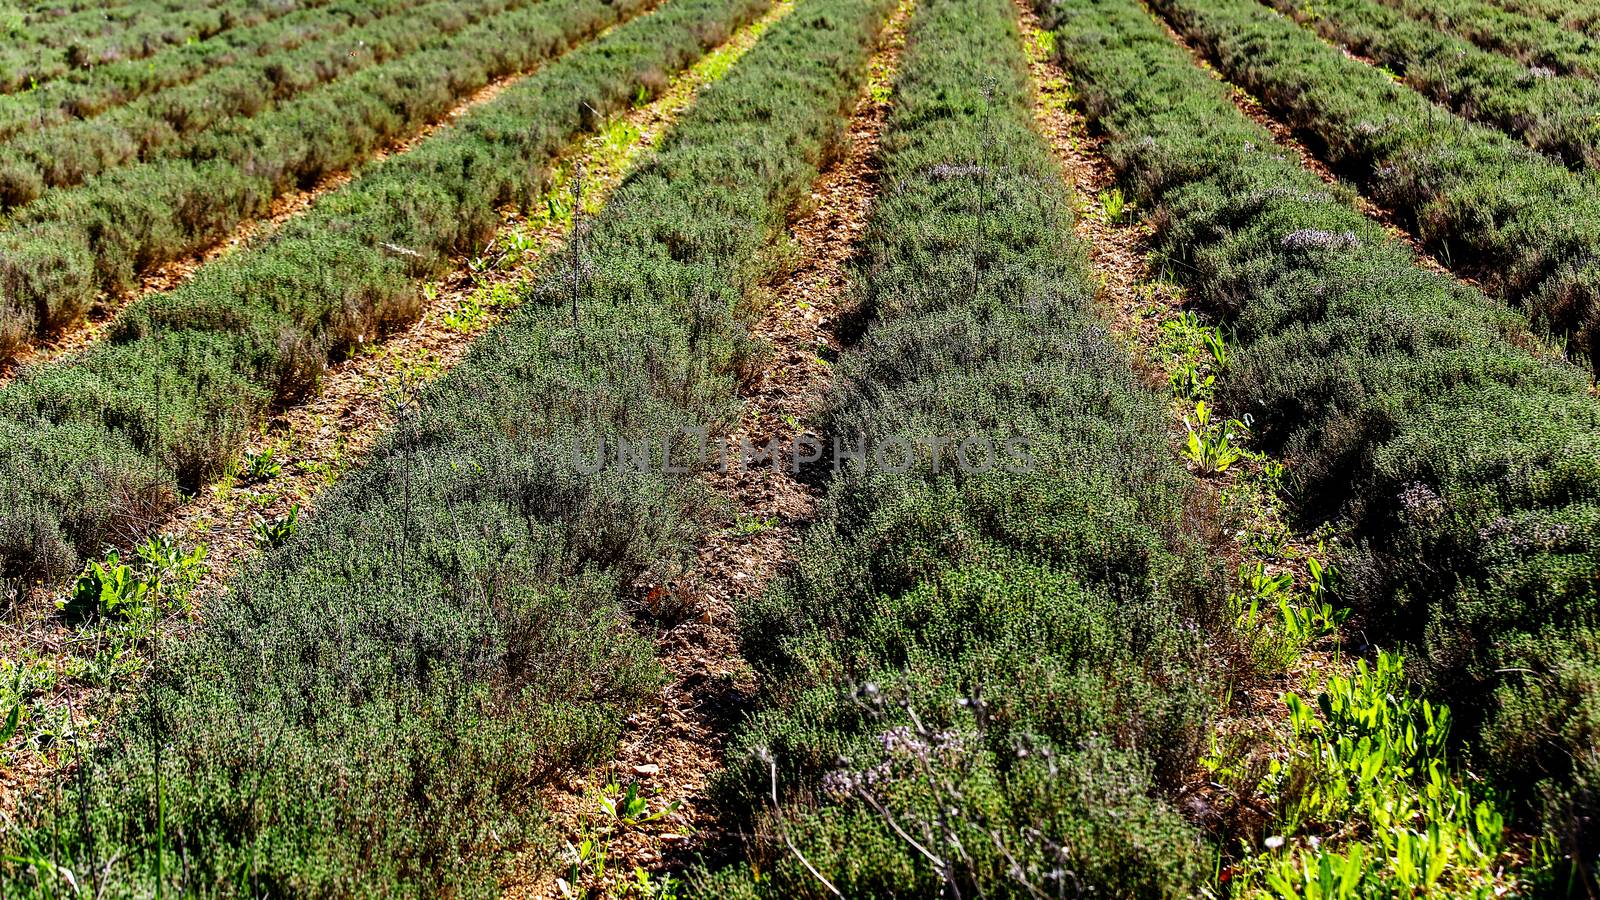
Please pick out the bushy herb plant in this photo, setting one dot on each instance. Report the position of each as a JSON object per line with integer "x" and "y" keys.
{"x": 377, "y": 704}
{"x": 1463, "y": 461}
{"x": 978, "y": 682}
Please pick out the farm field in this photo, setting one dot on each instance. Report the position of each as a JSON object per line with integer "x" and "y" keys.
{"x": 800, "y": 448}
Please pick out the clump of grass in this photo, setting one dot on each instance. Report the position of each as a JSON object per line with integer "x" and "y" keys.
{"x": 1365, "y": 802}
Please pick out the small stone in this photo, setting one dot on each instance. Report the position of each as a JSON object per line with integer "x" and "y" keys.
{"x": 646, "y": 769}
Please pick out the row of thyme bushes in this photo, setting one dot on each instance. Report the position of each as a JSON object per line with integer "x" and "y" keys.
{"x": 376, "y": 705}
{"x": 104, "y": 440}
{"x": 26, "y": 14}
{"x": 86, "y": 92}
{"x": 57, "y": 254}
{"x": 1486, "y": 203}
{"x": 128, "y": 31}
{"x": 997, "y": 664}
{"x": 69, "y": 22}
{"x": 1464, "y": 462}
{"x": 1578, "y": 15}
{"x": 154, "y": 127}
{"x": 1558, "y": 115}
{"x": 1525, "y": 38}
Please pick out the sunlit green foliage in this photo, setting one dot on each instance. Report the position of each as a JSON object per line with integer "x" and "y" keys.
{"x": 105, "y": 439}
{"x": 1370, "y": 760}
{"x": 977, "y": 680}
{"x": 375, "y": 706}
{"x": 1557, "y": 114}
{"x": 1464, "y": 463}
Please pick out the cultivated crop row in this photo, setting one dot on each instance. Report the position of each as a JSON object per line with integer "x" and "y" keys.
{"x": 1557, "y": 114}
{"x": 1530, "y": 40}
{"x": 378, "y": 701}
{"x": 62, "y": 26}
{"x": 105, "y": 440}
{"x": 1488, "y": 205}
{"x": 89, "y": 92}
{"x": 59, "y": 27}
{"x": 155, "y": 127}
{"x": 129, "y": 31}
{"x": 60, "y": 252}
{"x": 1578, "y": 15}
{"x": 1464, "y": 462}
{"x": 982, "y": 677}
{"x": 23, "y": 14}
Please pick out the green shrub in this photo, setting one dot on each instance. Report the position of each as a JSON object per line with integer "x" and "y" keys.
{"x": 182, "y": 374}
{"x": 93, "y": 36}
{"x": 1485, "y": 203}
{"x": 376, "y": 706}
{"x": 1415, "y": 411}
{"x": 1001, "y": 664}
{"x": 1552, "y": 113}
{"x": 1577, "y": 15}
{"x": 72, "y": 243}
{"x": 1525, "y": 39}
{"x": 76, "y": 150}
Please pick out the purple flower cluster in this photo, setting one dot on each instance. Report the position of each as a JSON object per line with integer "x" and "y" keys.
{"x": 1535, "y": 537}
{"x": 902, "y": 744}
{"x": 948, "y": 171}
{"x": 1316, "y": 239}
{"x": 1420, "y": 502}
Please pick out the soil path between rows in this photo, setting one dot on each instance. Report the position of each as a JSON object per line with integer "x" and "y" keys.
{"x": 674, "y": 747}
